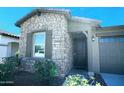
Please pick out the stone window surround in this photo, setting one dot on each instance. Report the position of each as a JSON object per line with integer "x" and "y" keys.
{"x": 37, "y": 31}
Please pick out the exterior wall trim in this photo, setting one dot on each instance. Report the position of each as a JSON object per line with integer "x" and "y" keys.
{"x": 110, "y": 33}
{"x": 3, "y": 45}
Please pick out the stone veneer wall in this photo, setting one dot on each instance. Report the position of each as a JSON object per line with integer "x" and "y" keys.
{"x": 61, "y": 40}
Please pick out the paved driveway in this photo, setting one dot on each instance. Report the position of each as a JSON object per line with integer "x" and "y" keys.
{"x": 113, "y": 79}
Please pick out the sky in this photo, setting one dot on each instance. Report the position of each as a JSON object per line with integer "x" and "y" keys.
{"x": 109, "y": 16}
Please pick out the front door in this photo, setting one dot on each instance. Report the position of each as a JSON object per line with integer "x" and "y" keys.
{"x": 80, "y": 53}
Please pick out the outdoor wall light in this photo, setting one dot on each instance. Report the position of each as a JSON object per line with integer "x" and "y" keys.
{"x": 93, "y": 38}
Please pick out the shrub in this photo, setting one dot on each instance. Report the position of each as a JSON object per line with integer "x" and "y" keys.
{"x": 8, "y": 68}
{"x": 79, "y": 80}
{"x": 45, "y": 70}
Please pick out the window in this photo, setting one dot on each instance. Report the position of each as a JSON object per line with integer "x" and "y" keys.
{"x": 39, "y": 44}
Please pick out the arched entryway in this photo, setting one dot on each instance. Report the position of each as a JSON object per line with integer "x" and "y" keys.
{"x": 80, "y": 58}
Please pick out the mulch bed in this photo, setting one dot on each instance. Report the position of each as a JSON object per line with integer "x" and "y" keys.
{"x": 23, "y": 78}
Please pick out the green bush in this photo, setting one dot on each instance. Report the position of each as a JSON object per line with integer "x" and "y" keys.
{"x": 45, "y": 70}
{"x": 8, "y": 68}
{"x": 79, "y": 80}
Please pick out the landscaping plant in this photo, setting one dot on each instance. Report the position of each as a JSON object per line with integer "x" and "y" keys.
{"x": 8, "y": 68}
{"x": 45, "y": 70}
{"x": 80, "y": 80}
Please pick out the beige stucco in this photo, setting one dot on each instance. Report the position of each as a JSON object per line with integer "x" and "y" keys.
{"x": 87, "y": 27}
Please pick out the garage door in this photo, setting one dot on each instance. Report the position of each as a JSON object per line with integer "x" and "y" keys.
{"x": 112, "y": 54}
{"x": 3, "y": 52}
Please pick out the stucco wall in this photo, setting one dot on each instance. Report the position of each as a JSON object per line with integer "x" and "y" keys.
{"x": 88, "y": 29}
{"x": 61, "y": 41}
{"x": 3, "y": 52}
{"x": 4, "y": 46}
{"x": 76, "y": 26}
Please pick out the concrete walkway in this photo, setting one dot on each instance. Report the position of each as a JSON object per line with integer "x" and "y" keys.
{"x": 113, "y": 79}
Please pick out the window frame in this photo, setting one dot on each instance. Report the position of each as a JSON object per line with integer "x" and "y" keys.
{"x": 33, "y": 51}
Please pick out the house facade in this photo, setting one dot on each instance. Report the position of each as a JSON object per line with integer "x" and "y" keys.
{"x": 9, "y": 44}
{"x": 71, "y": 42}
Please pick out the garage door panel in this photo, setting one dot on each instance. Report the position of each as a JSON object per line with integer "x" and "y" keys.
{"x": 121, "y": 46}
{"x": 3, "y": 52}
{"x": 111, "y": 55}
{"x": 122, "y": 61}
